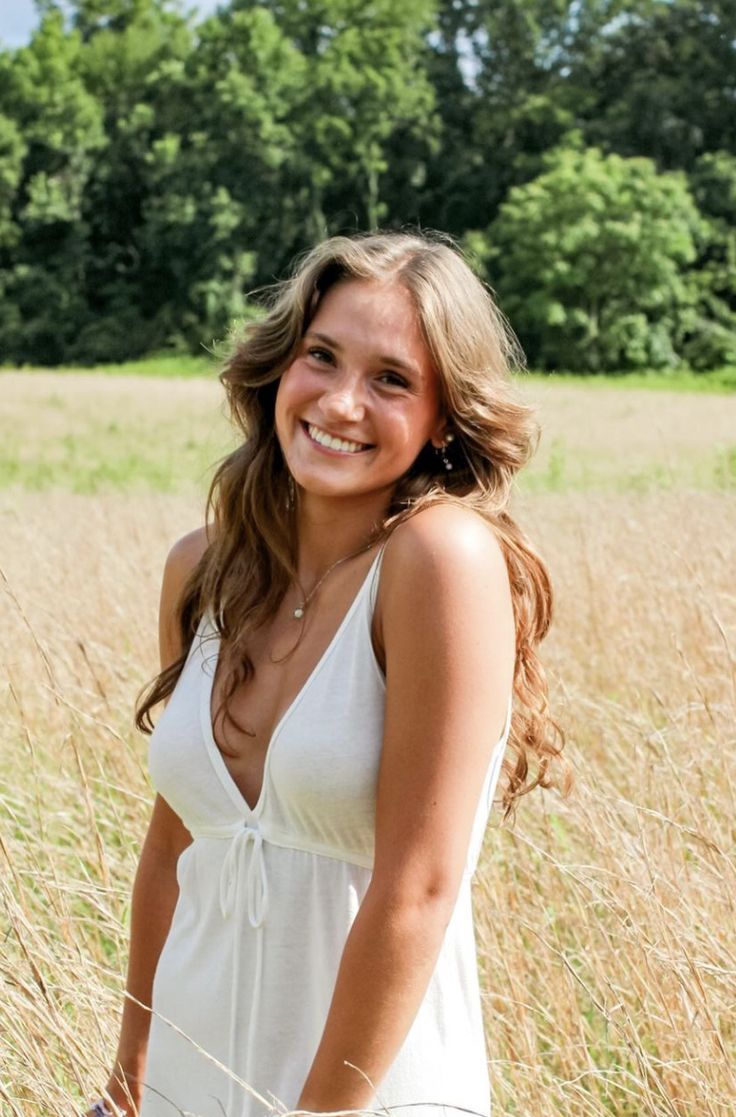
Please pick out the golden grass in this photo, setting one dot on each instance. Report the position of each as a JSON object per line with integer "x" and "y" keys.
{"x": 605, "y": 922}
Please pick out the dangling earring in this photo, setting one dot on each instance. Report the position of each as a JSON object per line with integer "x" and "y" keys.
{"x": 290, "y": 491}
{"x": 442, "y": 450}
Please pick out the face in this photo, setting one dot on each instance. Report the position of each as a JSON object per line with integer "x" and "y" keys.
{"x": 361, "y": 398}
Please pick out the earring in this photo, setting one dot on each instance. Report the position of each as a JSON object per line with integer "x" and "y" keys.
{"x": 442, "y": 450}
{"x": 290, "y": 491}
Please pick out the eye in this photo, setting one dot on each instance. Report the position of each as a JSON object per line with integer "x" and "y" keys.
{"x": 322, "y": 355}
{"x": 396, "y": 379}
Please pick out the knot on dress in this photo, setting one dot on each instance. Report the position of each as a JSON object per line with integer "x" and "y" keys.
{"x": 244, "y": 868}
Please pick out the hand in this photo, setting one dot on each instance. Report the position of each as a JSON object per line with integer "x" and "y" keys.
{"x": 98, "y": 1111}
{"x": 120, "y": 1104}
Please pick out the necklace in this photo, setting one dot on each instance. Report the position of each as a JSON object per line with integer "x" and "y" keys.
{"x": 301, "y": 609}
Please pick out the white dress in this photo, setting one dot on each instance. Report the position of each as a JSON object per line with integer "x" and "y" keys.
{"x": 268, "y": 895}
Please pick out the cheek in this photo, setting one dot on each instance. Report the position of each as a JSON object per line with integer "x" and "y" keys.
{"x": 284, "y": 395}
{"x": 281, "y": 411}
{"x": 278, "y": 407}
{"x": 294, "y": 387}
{"x": 412, "y": 427}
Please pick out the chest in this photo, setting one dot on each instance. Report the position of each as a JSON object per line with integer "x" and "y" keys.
{"x": 315, "y": 786}
{"x": 287, "y": 659}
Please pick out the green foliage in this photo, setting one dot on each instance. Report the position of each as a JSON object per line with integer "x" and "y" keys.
{"x": 13, "y": 151}
{"x": 41, "y": 260}
{"x": 712, "y": 340}
{"x": 588, "y": 262}
{"x": 661, "y": 80}
{"x": 154, "y": 166}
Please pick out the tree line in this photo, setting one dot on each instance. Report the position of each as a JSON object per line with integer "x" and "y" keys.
{"x": 156, "y": 166}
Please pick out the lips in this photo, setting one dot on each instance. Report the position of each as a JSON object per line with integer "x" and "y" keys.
{"x": 333, "y": 442}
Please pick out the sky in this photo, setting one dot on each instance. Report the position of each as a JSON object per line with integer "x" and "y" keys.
{"x": 19, "y": 17}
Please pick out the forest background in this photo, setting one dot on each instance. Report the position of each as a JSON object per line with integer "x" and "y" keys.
{"x": 155, "y": 166}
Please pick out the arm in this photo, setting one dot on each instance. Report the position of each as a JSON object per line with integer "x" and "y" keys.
{"x": 155, "y": 889}
{"x": 450, "y": 646}
{"x": 155, "y": 892}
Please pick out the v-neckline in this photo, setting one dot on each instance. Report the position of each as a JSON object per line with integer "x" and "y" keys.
{"x": 216, "y": 756}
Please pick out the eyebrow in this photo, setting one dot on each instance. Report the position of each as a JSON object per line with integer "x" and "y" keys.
{"x": 395, "y": 362}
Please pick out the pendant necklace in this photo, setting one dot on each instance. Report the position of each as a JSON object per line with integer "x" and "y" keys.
{"x": 301, "y": 609}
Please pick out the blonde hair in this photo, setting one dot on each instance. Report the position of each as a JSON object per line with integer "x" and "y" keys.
{"x": 248, "y": 566}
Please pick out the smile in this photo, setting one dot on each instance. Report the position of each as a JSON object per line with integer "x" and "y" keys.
{"x": 342, "y": 445}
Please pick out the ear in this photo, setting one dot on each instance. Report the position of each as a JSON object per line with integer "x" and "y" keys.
{"x": 440, "y": 433}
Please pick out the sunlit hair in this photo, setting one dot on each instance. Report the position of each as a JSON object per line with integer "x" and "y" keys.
{"x": 249, "y": 564}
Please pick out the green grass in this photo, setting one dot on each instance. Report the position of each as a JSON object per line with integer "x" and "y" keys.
{"x": 170, "y": 365}
{"x": 89, "y": 435}
{"x": 93, "y": 464}
{"x": 104, "y": 458}
{"x": 570, "y": 470}
{"x": 721, "y": 380}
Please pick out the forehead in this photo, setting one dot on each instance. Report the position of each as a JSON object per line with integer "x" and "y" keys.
{"x": 377, "y": 318}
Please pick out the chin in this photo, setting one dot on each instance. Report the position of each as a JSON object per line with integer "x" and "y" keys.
{"x": 319, "y": 487}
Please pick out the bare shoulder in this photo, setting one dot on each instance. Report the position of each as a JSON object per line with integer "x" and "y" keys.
{"x": 186, "y": 553}
{"x": 446, "y": 559}
{"x": 444, "y": 542}
{"x": 180, "y": 562}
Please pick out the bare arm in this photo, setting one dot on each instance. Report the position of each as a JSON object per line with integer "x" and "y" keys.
{"x": 155, "y": 888}
{"x": 450, "y": 645}
{"x": 155, "y": 892}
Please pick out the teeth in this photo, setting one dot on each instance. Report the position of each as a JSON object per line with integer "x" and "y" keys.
{"x": 334, "y": 443}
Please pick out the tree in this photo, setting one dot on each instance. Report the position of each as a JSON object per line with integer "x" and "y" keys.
{"x": 153, "y": 167}
{"x": 364, "y": 83}
{"x": 662, "y": 81}
{"x": 505, "y": 73}
{"x": 42, "y": 92}
{"x": 589, "y": 262}
{"x": 712, "y": 340}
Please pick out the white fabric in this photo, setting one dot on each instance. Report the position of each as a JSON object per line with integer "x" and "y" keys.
{"x": 267, "y": 898}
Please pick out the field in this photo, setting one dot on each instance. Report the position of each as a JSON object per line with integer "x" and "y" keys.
{"x": 605, "y": 921}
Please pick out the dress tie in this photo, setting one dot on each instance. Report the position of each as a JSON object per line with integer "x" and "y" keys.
{"x": 241, "y": 871}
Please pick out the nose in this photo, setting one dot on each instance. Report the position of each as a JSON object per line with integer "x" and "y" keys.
{"x": 343, "y": 399}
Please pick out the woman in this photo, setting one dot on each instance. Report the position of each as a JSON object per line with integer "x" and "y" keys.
{"x": 339, "y": 646}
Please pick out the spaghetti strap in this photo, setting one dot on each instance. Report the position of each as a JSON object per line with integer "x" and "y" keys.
{"x": 376, "y": 574}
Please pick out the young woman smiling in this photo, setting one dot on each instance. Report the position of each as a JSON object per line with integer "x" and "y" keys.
{"x": 348, "y": 655}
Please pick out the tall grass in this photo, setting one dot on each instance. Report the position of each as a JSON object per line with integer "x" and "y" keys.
{"x": 605, "y": 923}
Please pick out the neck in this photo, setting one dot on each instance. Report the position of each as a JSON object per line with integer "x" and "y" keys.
{"x": 327, "y": 533}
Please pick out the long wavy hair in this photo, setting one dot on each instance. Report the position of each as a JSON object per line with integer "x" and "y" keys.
{"x": 250, "y": 560}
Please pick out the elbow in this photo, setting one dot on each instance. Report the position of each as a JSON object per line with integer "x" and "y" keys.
{"x": 429, "y": 902}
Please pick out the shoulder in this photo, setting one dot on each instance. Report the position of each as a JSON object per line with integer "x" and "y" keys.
{"x": 180, "y": 562}
{"x": 444, "y": 543}
{"x": 186, "y": 553}
{"x": 446, "y": 561}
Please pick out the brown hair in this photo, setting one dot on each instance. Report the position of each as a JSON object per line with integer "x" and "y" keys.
{"x": 250, "y": 562}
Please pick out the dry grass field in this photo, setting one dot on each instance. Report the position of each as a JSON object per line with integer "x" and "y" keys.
{"x": 606, "y": 929}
